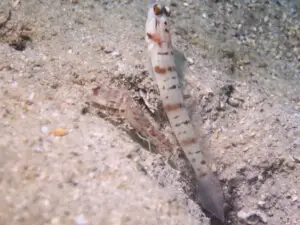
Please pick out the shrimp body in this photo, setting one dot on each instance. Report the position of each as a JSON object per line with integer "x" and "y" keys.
{"x": 125, "y": 107}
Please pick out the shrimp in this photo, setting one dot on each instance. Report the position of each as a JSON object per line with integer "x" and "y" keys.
{"x": 123, "y": 106}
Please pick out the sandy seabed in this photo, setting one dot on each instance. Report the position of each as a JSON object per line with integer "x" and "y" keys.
{"x": 243, "y": 90}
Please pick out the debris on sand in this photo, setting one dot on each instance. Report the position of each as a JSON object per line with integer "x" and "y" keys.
{"x": 59, "y": 132}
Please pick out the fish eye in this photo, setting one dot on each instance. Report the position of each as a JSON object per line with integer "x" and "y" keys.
{"x": 156, "y": 9}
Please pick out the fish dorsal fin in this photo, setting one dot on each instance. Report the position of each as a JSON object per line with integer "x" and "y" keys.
{"x": 182, "y": 71}
{"x": 180, "y": 63}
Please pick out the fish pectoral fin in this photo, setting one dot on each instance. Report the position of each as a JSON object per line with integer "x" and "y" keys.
{"x": 182, "y": 70}
{"x": 155, "y": 37}
{"x": 210, "y": 195}
{"x": 150, "y": 68}
{"x": 180, "y": 63}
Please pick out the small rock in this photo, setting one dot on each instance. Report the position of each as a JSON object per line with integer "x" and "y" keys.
{"x": 261, "y": 204}
{"x": 116, "y": 53}
{"x": 220, "y": 106}
{"x": 294, "y": 198}
{"x": 55, "y": 220}
{"x": 233, "y": 102}
{"x": 44, "y": 129}
{"x": 81, "y": 220}
{"x": 266, "y": 19}
{"x": 4, "y": 16}
{"x": 252, "y": 217}
{"x": 291, "y": 165}
{"x": 190, "y": 60}
{"x": 31, "y": 96}
{"x": 107, "y": 51}
{"x": 297, "y": 107}
{"x": 37, "y": 148}
{"x": 296, "y": 158}
{"x": 14, "y": 84}
{"x": 261, "y": 177}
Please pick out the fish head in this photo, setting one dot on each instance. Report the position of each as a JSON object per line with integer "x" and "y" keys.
{"x": 157, "y": 22}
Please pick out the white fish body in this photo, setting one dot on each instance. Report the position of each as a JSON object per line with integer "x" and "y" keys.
{"x": 162, "y": 59}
